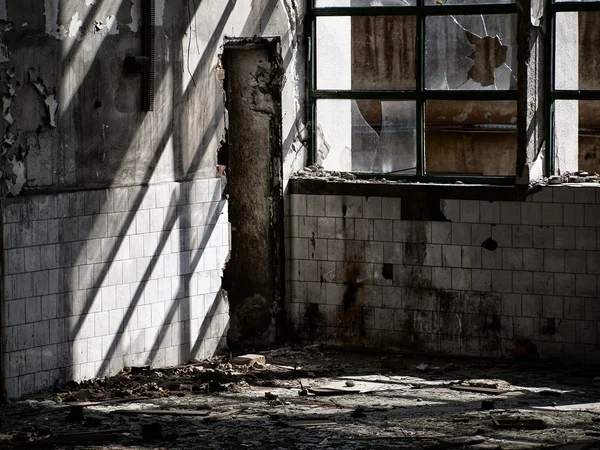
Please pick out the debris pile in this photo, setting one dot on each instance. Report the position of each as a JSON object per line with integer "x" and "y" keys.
{"x": 308, "y": 397}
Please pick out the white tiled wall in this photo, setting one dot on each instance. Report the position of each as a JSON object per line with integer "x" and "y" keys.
{"x": 97, "y": 280}
{"x": 359, "y": 275}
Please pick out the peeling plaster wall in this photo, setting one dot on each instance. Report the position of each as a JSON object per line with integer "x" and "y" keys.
{"x": 72, "y": 128}
{"x": 86, "y": 128}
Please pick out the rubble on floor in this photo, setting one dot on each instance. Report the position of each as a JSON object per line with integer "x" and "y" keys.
{"x": 309, "y": 397}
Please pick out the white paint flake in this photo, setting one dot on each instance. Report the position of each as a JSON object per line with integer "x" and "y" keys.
{"x": 53, "y": 28}
{"x": 52, "y": 105}
{"x": 18, "y": 169}
{"x": 135, "y": 16}
{"x": 75, "y": 27}
{"x": 90, "y": 2}
{"x": 6, "y": 101}
{"x": 51, "y": 14}
{"x": 112, "y": 25}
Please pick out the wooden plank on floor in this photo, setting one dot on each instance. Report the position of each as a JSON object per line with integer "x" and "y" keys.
{"x": 480, "y": 390}
{"x": 163, "y": 412}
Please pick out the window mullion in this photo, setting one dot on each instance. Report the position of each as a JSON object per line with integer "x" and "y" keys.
{"x": 420, "y": 107}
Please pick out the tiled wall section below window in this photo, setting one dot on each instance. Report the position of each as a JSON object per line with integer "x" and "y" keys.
{"x": 97, "y": 280}
{"x": 495, "y": 277}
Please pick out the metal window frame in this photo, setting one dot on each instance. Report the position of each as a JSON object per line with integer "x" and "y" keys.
{"x": 420, "y": 95}
{"x": 553, "y": 94}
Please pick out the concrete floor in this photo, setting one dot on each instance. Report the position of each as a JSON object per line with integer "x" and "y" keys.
{"x": 404, "y": 402}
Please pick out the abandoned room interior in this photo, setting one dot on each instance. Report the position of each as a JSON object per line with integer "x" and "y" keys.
{"x": 300, "y": 224}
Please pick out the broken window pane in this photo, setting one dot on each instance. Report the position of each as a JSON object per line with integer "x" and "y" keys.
{"x": 471, "y": 137}
{"x": 362, "y": 3}
{"x": 377, "y": 136}
{"x": 471, "y": 52}
{"x": 577, "y": 123}
{"x": 370, "y": 53}
{"x": 577, "y": 50}
{"x": 466, "y": 2}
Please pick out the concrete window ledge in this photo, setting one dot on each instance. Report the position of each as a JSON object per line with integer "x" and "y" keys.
{"x": 421, "y": 190}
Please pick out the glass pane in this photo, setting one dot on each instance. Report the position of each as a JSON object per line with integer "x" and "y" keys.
{"x": 362, "y": 3}
{"x": 466, "y": 2}
{"x": 370, "y": 53}
{"x": 471, "y": 52}
{"x": 577, "y": 123}
{"x": 577, "y": 49}
{"x": 471, "y": 137}
{"x": 375, "y": 136}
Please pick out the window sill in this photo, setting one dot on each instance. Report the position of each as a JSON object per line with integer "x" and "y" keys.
{"x": 386, "y": 188}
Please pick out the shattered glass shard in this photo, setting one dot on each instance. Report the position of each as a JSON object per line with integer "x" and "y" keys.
{"x": 470, "y": 52}
{"x": 488, "y": 55}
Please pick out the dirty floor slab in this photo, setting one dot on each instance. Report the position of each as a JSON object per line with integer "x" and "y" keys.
{"x": 310, "y": 397}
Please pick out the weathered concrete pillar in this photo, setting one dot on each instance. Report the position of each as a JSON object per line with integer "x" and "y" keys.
{"x": 254, "y": 273}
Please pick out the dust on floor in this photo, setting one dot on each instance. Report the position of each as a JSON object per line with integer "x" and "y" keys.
{"x": 310, "y": 397}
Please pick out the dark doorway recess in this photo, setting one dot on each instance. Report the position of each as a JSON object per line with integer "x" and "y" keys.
{"x": 253, "y": 158}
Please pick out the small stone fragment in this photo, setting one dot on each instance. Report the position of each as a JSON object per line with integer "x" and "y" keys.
{"x": 270, "y": 396}
{"x": 554, "y": 179}
{"x": 350, "y": 383}
{"x": 248, "y": 360}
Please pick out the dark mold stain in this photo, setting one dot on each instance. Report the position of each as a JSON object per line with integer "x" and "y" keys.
{"x": 352, "y": 313}
{"x": 414, "y": 253}
{"x": 312, "y": 319}
{"x": 549, "y": 328}
{"x": 490, "y": 244}
{"x": 387, "y": 271}
{"x": 492, "y": 325}
{"x": 352, "y": 287}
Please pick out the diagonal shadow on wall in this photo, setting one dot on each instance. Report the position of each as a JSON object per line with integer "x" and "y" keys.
{"x": 175, "y": 131}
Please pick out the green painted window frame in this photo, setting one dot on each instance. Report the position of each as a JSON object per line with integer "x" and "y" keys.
{"x": 419, "y": 95}
{"x": 552, "y": 94}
